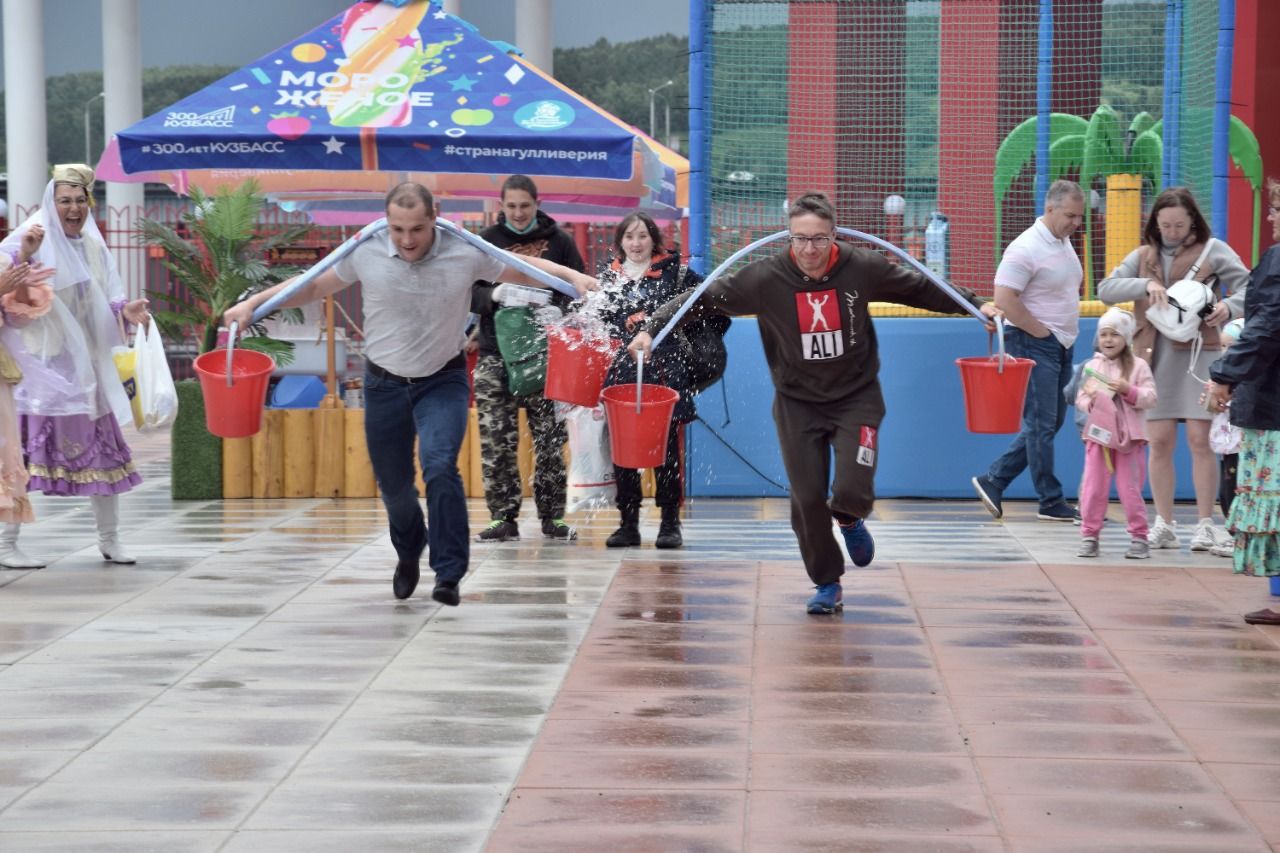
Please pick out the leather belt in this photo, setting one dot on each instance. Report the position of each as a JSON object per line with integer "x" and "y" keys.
{"x": 457, "y": 362}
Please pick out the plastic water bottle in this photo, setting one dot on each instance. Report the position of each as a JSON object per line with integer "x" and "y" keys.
{"x": 936, "y": 244}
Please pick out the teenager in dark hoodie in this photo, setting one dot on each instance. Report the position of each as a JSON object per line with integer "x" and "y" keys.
{"x": 524, "y": 230}
{"x": 812, "y": 303}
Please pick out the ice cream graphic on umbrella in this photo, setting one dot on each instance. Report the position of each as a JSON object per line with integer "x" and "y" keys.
{"x": 385, "y": 58}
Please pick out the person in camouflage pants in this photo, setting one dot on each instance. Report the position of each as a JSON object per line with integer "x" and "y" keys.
{"x": 524, "y": 230}
{"x": 498, "y": 412}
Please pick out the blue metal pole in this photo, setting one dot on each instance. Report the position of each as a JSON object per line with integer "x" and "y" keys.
{"x": 699, "y": 138}
{"x": 1044, "y": 100}
{"x": 1173, "y": 120}
{"x": 1166, "y": 103}
{"x": 1222, "y": 115}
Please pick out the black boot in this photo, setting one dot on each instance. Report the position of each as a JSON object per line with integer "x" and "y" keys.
{"x": 628, "y": 534}
{"x": 669, "y": 531}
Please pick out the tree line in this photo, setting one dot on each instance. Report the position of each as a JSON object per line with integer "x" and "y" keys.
{"x": 616, "y": 77}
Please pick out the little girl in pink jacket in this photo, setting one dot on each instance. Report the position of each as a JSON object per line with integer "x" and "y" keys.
{"x": 1116, "y": 391}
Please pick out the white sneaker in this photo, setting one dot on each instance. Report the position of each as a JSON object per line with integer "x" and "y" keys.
{"x": 1206, "y": 536}
{"x": 1228, "y": 550}
{"x": 1163, "y": 534}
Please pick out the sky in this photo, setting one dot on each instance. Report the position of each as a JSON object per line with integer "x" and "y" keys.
{"x": 236, "y": 32}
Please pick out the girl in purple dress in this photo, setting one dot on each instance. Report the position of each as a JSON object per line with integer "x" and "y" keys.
{"x": 70, "y": 400}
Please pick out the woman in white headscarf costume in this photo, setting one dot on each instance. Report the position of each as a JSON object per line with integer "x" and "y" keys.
{"x": 70, "y": 401}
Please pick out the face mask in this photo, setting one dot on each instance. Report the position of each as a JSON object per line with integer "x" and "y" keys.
{"x": 533, "y": 223}
{"x": 1171, "y": 245}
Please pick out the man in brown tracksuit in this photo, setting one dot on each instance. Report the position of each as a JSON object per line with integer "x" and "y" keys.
{"x": 812, "y": 304}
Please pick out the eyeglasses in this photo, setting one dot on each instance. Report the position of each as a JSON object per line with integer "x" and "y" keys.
{"x": 819, "y": 242}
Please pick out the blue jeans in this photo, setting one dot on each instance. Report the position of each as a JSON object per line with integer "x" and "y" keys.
{"x": 1042, "y": 416}
{"x": 433, "y": 411}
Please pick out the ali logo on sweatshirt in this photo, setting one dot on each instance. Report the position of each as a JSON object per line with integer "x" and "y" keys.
{"x": 819, "y": 319}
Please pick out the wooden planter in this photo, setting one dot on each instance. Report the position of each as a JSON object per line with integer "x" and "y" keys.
{"x": 321, "y": 453}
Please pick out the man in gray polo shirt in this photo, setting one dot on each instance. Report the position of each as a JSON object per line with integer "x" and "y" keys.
{"x": 1038, "y": 289}
{"x": 416, "y": 285}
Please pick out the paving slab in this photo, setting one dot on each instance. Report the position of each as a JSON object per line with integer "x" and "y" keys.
{"x": 252, "y": 685}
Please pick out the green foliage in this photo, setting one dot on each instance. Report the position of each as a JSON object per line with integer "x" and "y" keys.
{"x": 618, "y": 78}
{"x": 197, "y": 454}
{"x": 221, "y": 263}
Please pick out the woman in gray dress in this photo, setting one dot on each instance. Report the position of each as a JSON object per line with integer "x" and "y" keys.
{"x": 1172, "y": 240}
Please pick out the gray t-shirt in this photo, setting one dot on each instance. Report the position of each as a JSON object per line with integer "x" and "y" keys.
{"x": 415, "y": 314}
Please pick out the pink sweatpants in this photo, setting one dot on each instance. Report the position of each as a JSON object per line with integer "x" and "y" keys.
{"x": 1095, "y": 489}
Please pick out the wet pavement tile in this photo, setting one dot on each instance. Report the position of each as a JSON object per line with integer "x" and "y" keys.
{"x": 868, "y": 774}
{"x": 828, "y": 736}
{"x": 126, "y": 807}
{"x": 1029, "y": 619}
{"x": 1086, "y": 820}
{"x": 1162, "y": 684}
{"x": 144, "y": 841}
{"x": 295, "y": 805}
{"x": 380, "y": 764}
{"x": 178, "y": 766}
{"x": 962, "y": 810}
{"x": 976, "y": 711}
{"x": 796, "y": 615}
{"x": 588, "y": 814}
{"x": 599, "y": 768}
{"x": 346, "y": 841}
{"x": 785, "y": 705}
{"x": 1155, "y": 742}
{"x": 1232, "y": 716}
{"x": 1062, "y": 776}
{"x": 644, "y": 733}
{"x": 465, "y": 704}
{"x": 828, "y": 680}
{"x": 1260, "y": 782}
{"x": 1232, "y": 745}
{"x": 652, "y": 705}
{"x": 588, "y": 676}
{"x": 817, "y": 839}
{"x": 413, "y": 731}
{"x": 1242, "y": 639}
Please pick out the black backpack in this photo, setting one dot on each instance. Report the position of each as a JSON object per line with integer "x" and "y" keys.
{"x": 709, "y": 356}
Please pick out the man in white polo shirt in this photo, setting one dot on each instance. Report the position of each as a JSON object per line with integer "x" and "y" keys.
{"x": 1038, "y": 289}
{"x": 416, "y": 286}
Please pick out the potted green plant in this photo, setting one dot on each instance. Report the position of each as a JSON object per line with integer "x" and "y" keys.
{"x": 217, "y": 255}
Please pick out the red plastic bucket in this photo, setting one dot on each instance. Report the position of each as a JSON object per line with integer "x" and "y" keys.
{"x": 639, "y": 439}
{"x": 234, "y": 410}
{"x": 576, "y": 366}
{"x": 993, "y": 399}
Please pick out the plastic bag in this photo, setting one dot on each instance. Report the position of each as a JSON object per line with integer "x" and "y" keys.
{"x": 1224, "y": 439}
{"x": 591, "y": 483}
{"x": 156, "y": 405}
{"x": 126, "y": 360}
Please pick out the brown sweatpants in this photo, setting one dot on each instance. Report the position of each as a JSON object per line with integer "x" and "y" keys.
{"x": 807, "y": 433}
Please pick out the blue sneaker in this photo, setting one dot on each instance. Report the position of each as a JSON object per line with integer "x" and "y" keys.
{"x": 828, "y": 599}
{"x": 857, "y": 538}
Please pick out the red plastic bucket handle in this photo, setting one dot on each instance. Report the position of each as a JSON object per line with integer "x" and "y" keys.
{"x": 999, "y": 336}
{"x": 639, "y": 379}
{"x": 231, "y": 345}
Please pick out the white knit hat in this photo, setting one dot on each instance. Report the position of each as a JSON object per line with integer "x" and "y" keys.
{"x": 1120, "y": 321}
